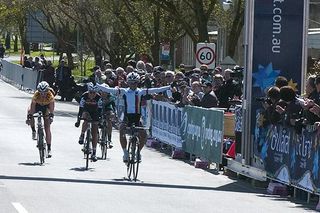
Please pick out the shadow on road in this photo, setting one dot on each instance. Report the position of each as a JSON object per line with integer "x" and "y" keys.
{"x": 30, "y": 164}
{"x": 233, "y": 187}
{"x": 82, "y": 169}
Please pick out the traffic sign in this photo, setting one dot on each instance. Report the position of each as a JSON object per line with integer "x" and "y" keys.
{"x": 206, "y": 54}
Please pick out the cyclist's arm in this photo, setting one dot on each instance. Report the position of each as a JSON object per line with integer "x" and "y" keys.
{"x": 51, "y": 107}
{"x": 32, "y": 107}
{"x": 81, "y": 107}
{"x": 114, "y": 91}
{"x": 155, "y": 90}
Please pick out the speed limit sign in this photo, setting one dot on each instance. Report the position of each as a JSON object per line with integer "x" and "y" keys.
{"x": 206, "y": 54}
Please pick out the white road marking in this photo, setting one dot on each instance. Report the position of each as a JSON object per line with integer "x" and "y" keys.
{"x": 19, "y": 207}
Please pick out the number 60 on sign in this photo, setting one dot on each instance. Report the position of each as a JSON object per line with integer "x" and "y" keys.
{"x": 206, "y": 55}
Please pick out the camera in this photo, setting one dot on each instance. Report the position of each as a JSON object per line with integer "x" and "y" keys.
{"x": 264, "y": 99}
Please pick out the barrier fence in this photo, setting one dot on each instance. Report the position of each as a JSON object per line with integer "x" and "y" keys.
{"x": 19, "y": 76}
{"x": 196, "y": 130}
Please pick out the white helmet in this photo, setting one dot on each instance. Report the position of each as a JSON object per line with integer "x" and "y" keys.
{"x": 133, "y": 77}
{"x": 91, "y": 87}
{"x": 43, "y": 86}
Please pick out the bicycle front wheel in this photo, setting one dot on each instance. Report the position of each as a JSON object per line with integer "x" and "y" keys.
{"x": 136, "y": 164}
{"x": 130, "y": 163}
{"x": 87, "y": 148}
{"x": 41, "y": 147}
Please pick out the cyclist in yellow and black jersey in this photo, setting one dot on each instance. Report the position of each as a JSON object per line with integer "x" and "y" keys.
{"x": 42, "y": 100}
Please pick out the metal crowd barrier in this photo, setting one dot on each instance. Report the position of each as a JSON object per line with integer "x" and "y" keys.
{"x": 24, "y": 78}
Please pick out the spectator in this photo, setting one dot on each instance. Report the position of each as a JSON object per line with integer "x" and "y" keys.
{"x": 290, "y": 109}
{"x": 169, "y": 77}
{"x": 194, "y": 77}
{"x": 49, "y": 74}
{"x": 196, "y": 94}
{"x": 129, "y": 69}
{"x": 141, "y": 65}
{"x": 37, "y": 66}
{"x": 281, "y": 81}
{"x": 203, "y": 68}
{"x": 43, "y": 61}
{"x": 121, "y": 77}
{"x": 182, "y": 68}
{"x": 209, "y": 98}
{"x": 63, "y": 75}
{"x": 217, "y": 70}
{"x": 149, "y": 67}
{"x": 2, "y": 50}
{"x": 29, "y": 63}
{"x": 110, "y": 77}
{"x": 132, "y": 63}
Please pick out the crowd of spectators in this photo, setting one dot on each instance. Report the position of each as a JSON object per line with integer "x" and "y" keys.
{"x": 284, "y": 106}
{"x": 198, "y": 87}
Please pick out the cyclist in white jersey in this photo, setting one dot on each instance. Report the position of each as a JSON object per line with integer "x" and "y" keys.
{"x": 132, "y": 99}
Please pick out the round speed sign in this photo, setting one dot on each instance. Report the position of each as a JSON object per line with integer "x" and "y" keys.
{"x": 206, "y": 55}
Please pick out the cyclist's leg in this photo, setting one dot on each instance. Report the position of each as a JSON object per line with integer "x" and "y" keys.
{"x": 85, "y": 123}
{"x": 94, "y": 132}
{"x": 83, "y": 127}
{"x": 47, "y": 130}
{"x": 109, "y": 127}
{"x": 122, "y": 132}
{"x": 142, "y": 138}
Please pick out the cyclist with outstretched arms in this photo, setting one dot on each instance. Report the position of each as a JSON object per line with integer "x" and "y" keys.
{"x": 90, "y": 109}
{"x": 132, "y": 98}
{"x": 42, "y": 100}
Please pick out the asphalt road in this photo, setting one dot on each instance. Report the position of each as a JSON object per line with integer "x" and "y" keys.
{"x": 62, "y": 184}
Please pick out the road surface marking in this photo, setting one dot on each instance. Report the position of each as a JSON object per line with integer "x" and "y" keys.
{"x": 19, "y": 207}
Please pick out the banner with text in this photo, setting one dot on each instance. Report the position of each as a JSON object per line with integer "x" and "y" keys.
{"x": 166, "y": 121}
{"x": 277, "y": 51}
{"x": 292, "y": 158}
{"x": 202, "y": 132}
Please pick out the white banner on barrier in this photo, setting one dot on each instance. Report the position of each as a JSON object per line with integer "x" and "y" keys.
{"x": 166, "y": 122}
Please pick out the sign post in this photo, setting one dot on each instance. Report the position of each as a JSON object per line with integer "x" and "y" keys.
{"x": 206, "y": 54}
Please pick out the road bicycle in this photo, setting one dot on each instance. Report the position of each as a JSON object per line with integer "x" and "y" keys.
{"x": 133, "y": 151}
{"x": 41, "y": 144}
{"x": 103, "y": 137}
{"x": 87, "y": 141}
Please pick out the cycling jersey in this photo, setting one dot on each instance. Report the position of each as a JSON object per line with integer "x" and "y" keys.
{"x": 108, "y": 103}
{"x": 43, "y": 100}
{"x": 131, "y": 97}
{"x": 89, "y": 104}
{"x": 93, "y": 106}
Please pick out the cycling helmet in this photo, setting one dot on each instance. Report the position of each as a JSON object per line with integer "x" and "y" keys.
{"x": 43, "y": 86}
{"x": 133, "y": 77}
{"x": 91, "y": 87}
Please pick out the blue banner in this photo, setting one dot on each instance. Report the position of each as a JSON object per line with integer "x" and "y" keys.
{"x": 277, "y": 51}
{"x": 292, "y": 158}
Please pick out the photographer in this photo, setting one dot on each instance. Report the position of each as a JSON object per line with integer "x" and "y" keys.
{"x": 269, "y": 104}
{"x": 290, "y": 109}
